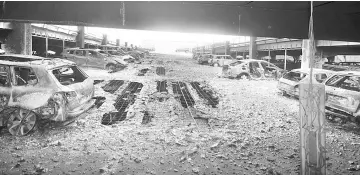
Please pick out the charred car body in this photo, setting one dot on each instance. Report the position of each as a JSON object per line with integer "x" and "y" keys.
{"x": 343, "y": 95}
{"x": 220, "y": 60}
{"x": 289, "y": 83}
{"x": 93, "y": 58}
{"x": 251, "y": 69}
{"x": 33, "y": 88}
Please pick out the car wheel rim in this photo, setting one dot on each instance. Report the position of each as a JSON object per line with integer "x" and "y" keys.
{"x": 21, "y": 122}
{"x": 243, "y": 77}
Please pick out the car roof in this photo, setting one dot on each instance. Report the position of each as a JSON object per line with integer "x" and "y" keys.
{"x": 348, "y": 73}
{"x": 315, "y": 70}
{"x": 30, "y": 61}
{"x": 20, "y": 58}
{"x": 80, "y": 49}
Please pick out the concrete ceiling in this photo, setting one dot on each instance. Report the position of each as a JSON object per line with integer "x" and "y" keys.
{"x": 332, "y": 20}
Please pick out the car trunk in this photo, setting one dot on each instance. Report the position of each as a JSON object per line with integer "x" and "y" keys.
{"x": 75, "y": 80}
{"x": 340, "y": 99}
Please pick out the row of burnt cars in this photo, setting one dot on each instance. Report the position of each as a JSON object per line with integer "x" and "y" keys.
{"x": 34, "y": 89}
{"x": 342, "y": 88}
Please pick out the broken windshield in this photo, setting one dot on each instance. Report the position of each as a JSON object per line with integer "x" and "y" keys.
{"x": 69, "y": 75}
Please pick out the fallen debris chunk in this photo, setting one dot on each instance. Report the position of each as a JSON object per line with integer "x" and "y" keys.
{"x": 160, "y": 71}
{"x": 195, "y": 170}
{"x": 113, "y": 86}
{"x": 146, "y": 118}
{"x": 142, "y": 72}
{"x": 99, "y": 101}
{"x": 97, "y": 81}
{"x": 205, "y": 94}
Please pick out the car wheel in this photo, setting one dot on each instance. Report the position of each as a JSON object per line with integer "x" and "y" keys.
{"x": 244, "y": 76}
{"x": 21, "y": 122}
{"x": 110, "y": 67}
{"x": 284, "y": 93}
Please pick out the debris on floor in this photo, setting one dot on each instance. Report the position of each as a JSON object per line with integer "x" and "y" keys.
{"x": 160, "y": 71}
{"x": 97, "y": 81}
{"x": 181, "y": 89}
{"x": 206, "y": 94}
{"x": 113, "y": 86}
{"x": 126, "y": 98}
{"x": 142, "y": 72}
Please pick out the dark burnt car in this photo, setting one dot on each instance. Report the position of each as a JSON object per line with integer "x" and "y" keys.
{"x": 33, "y": 88}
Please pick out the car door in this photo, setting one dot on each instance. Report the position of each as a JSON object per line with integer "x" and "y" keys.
{"x": 5, "y": 86}
{"x": 254, "y": 69}
{"x": 76, "y": 56}
{"x": 343, "y": 92}
{"x": 96, "y": 60}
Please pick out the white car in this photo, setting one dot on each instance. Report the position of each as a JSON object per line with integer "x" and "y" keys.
{"x": 220, "y": 60}
{"x": 289, "y": 83}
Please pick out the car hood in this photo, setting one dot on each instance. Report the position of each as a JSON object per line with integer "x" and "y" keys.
{"x": 119, "y": 60}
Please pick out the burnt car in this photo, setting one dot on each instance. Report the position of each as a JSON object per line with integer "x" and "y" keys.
{"x": 251, "y": 69}
{"x": 343, "y": 95}
{"x": 34, "y": 88}
{"x": 289, "y": 83}
{"x": 93, "y": 58}
{"x": 119, "y": 55}
{"x": 220, "y": 60}
{"x": 203, "y": 59}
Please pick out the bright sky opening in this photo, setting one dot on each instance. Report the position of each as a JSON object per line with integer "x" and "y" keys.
{"x": 161, "y": 41}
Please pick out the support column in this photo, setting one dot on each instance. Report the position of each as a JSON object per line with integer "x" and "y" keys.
{"x": 305, "y": 63}
{"x": 105, "y": 39}
{"x": 46, "y": 46}
{"x": 252, "y": 48}
{"x": 244, "y": 55}
{"x": 273, "y": 57}
{"x": 63, "y": 45}
{"x": 227, "y": 49}
{"x": 118, "y": 42}
{"x": 19, "y": 41}
{"x": 80, "y": 37}
{"x": 285, "y": 65}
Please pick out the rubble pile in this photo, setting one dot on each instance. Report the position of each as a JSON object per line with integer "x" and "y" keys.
{"x": 252, "y": 130}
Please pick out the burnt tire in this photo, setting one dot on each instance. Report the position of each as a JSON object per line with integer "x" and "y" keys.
{"x": 110, "y": 67}
{"x": 21, "y": 122}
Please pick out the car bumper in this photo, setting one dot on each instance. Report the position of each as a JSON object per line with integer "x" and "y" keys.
{"x": 338, "y": 113}
{"x": 288, "y": 90}
{"x": 82, "y": 108}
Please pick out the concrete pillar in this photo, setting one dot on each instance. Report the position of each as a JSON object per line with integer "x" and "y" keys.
{"x": 19, "y": 40}
{"x": 203, "y": 49}
{"x": 105, "y": 39}
{"x": 80, "y": 37}
{"x": 118, "y": 42}
{"x": 63, "y": 45}
{"x": 46, "y": 46}
{"x": 213, "y": 49}
{"x": 126, "y": 44}
{"x": 252, "y": 48}
{"x": 285, "y": 61}
{"x": 306, "y": 55}
{"x": 227, "y": 49}
{"x": 244, "y": 55}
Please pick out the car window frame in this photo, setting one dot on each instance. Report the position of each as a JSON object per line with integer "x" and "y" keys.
{"x": 13, "y": 78}
{"x": 342, "y": 78}
{"x": 8, "y": 76}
